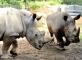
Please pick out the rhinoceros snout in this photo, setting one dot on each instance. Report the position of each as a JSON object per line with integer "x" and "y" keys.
{"x": 76, "y": 41}
{"x": 38, "y": 46}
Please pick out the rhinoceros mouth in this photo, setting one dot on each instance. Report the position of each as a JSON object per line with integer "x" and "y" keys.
{"x": 37, "y": 46}
{"x": 76, "y": 41}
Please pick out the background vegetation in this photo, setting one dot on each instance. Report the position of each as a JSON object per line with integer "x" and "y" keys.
{"x": 35, "y": 4}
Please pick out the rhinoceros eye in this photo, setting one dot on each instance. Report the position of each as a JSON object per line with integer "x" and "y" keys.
{"x": 36, "y": 34}
{"x": 65, "y": 18}
{"x": 24, "y": 14}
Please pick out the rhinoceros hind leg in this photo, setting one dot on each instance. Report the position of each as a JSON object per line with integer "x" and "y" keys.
{"x": 5, "y": 47}
{"x": 14, "y": 47}
{"x": 13, "y": 53}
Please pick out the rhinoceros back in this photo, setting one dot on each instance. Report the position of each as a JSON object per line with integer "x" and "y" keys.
{"x": 11, "y": 21}
{"x": 55, "y": 21}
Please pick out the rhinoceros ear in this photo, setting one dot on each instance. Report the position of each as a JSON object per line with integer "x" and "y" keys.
{"x": 65, "y": 18}
{"x": 38, "y": 17}
{"x": 77, "y": 17}
{"x": 34, "y": 16}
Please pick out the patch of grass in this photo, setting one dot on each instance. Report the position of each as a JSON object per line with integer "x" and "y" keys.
{"x": 37, "y": 4}
{"x": 54, "y": 2}
{"x": 81, "y": 36}
{"x": 80, "y": 31}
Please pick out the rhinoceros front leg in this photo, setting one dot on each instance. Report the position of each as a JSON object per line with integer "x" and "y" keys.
{"x": 14, "y": 47}
{"x": 67, "y": 42}
{"x": 60, "y": 41}
{"x": 5, "y": 47}
{"x": 51, "y": 32}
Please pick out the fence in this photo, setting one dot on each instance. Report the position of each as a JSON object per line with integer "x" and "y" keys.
{"x": 73, "y": 10}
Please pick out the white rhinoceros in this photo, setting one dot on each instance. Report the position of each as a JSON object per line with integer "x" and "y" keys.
{"x": 15, "y": 23}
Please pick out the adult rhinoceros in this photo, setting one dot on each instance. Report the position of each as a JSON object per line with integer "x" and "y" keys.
{"x": 61, "y": 24}
{"x": 15, "y": 23}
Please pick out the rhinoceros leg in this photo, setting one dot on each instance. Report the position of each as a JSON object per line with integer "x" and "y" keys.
{"x": 67, "y": 42}
{"x": 5, "y": 47}
{"x": 7, "y": 42}
{"x": 51, "y": 32}
{"x": 60, "y": 41}
{"x": 14, "y": 47}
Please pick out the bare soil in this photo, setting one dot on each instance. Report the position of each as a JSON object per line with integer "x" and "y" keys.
{"x": 48, "y": 52}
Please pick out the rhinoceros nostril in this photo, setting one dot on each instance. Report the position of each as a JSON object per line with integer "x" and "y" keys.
{"x": 37, "y": 46}
{"x": 40, "y": 46}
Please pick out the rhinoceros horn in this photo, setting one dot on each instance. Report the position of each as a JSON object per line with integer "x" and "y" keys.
{"x": 48, "y": 39}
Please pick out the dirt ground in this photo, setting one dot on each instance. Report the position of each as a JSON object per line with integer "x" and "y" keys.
{"x": 49, "y": 51}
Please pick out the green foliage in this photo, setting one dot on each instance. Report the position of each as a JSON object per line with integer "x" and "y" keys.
{"x": 79, "y": 2}
{"x": 35, "y": 4}
{"x": 79, "y": 25}
{"x": 54, "y": 2}
{"x": 12, "y": 3}
{"x": 81, "y": 36}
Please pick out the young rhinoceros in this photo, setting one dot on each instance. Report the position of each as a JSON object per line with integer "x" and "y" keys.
{"x": 61, "y": 24}
{"x": 16, "y": 23}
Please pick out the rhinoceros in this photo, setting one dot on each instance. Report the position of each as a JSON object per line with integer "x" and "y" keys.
{"x": 15, "y": 23}
{"x": 61, "y": 24}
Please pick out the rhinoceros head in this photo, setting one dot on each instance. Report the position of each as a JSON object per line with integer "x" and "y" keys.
{"x": 71, "y": 32}
{"x": 34, "y": 36}
{"x": 37, "y": 38}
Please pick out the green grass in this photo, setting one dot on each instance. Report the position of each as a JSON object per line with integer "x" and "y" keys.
{"x": 37, "y": 4}
{"x": 81, "y": 36}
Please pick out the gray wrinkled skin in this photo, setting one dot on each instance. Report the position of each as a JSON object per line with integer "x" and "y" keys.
{"x": 61, "y": 24}
{"x": 16, "y": 23}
